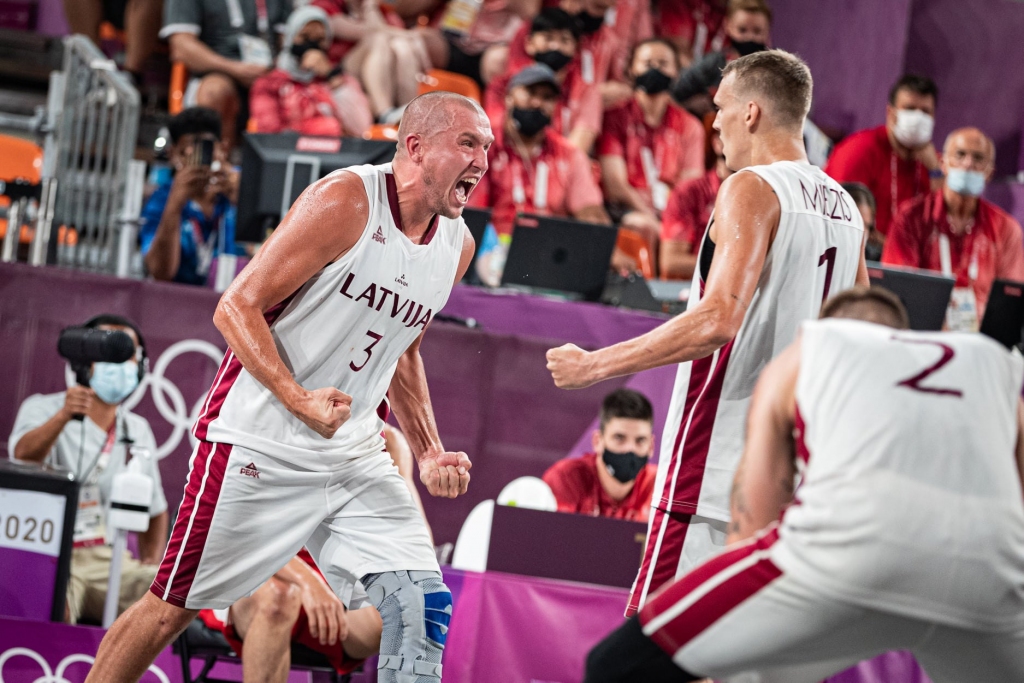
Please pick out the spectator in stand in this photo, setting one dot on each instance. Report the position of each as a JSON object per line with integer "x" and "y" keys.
{"x": 632, "y": 23}
{"x": 533, "y": 169}
{"x": 695, "y": 27}
{"x": 894, "y": 160}
{"x": 190, "y": 217}
{"x": 107, "y": 441}
{"x": 297, "y": 94}
{"x": 373, "y": 45}
{"x": 748, "y": 28}
{"x": 225, "y": 46}
{"x": 602, "y": 55}
{"x": 649, "y": 144}
{"x": 687, "y": 216}
{"x": 615, "y": 479}
{"x": 470, "y": 37}
{"x": 297, "y": 605}
{"x": 139, "y": 19}
{"x": 954, "y": 231}
{"x": 866, "y": 205}
{"x": 553, "y": 41}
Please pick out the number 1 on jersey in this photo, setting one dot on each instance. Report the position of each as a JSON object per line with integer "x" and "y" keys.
{"x": 369, "y": 350}
{"x": 829, "y": 258}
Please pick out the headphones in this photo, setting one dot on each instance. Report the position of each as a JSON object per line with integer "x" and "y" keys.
{"x": 110, "y": 319}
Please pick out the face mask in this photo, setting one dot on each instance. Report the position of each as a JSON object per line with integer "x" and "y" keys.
{"x": 913, "y": 128}
{"x": 589, "y": 23}
{"x": 653, "y": 81}
{"x": 554, "y": 59}
{"x": 529, "y": 122}
{"x": 748, "y": 47}
{"x": 623, "y": 466}
{"x": 299, "y": 49}
{"x": 872, "y": 252}
{"x": 114, "y": 382}
{"x": 970, "y": 183}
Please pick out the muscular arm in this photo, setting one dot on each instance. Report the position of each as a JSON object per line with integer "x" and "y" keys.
{"x": 763, "y": 484}
{"x": 410, "y": 399}
{"x": 746, "y": 218}
{"x": 323, "y": 224}
{"x": 197, "y": 56}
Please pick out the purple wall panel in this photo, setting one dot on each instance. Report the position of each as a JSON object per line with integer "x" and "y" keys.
{"x": 854, "y": 49}
{"x": 971, "y": 49}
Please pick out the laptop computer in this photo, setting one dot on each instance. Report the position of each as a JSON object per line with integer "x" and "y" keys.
{"x": 477, "y": 221}
{"x": 924, "y": 293}
{"x": 1004, "y": 313}
{"x": 559, "y": 545}
{"x": 559, "y": 254}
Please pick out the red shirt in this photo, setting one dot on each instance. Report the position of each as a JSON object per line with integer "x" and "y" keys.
{"x": 868, "y": 157}
{"x": 698, "y": 22}
{"x": 993, "y": 248}
{"x": 577, "y": 488}
{"x": 511, "y": 185}
{"x": 277, "y": 102}
{"x": 579, "y": 105}
{"x": 689, "y": 209}
{"x": 676, "y": 146}
{"x": 600, "y": 56}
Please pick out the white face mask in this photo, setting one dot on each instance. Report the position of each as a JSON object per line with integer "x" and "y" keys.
{"x": 913, "y": 128}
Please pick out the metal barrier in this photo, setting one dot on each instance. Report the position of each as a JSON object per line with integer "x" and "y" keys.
{"x": 90, "y": 196}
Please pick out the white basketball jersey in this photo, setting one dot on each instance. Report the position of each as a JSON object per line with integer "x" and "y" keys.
{"x": 346, "y": 327}
{"x": 816, "y": 252}
{"x": 910, "y": 500}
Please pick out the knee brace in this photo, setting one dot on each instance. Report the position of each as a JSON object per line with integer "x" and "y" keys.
{"x": 416, "y": 608}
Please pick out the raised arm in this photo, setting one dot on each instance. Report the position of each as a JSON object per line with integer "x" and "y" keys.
{"x": 445, "y": 474}
{"x": 746, "y": 219}
{"x": 323, "y": 224}
{"x": 763, "y": 484}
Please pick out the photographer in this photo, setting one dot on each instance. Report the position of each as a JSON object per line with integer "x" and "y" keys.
{"x": 190, "y": 218}
{"x": 107, "y": 441}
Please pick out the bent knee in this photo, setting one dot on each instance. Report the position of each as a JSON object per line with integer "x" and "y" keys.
{"x": 278, "y": 602}
{"x": 217, "y": 91}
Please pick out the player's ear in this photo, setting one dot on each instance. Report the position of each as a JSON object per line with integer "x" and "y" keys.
{"x": 414, "y": 147}
{"x": 754, "y": 114}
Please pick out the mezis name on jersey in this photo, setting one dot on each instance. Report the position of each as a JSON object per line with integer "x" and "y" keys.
{"x": 411, "y": 313}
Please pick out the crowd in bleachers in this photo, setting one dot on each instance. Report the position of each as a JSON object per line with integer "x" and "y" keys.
{"x": 601, "y": 110}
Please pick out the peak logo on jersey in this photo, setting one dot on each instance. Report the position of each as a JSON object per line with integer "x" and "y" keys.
{"x": 251, "y": 471}
{"x": 401, "y": 280}
{"x": 379, "y": 236}
{"x": 376, "y": 296}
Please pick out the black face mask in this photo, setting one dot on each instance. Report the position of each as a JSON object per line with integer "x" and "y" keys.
{"x": 299, "y": 49}
{"x": 529, "y": 122}
{"x": 623, "y": 466}
{"x": 653, "y": 81}
{"x": 748, "y": 47}
{"x": 872, "y": 251}
{"x": 554, "y": 59}
{"x": 589, "y": 23}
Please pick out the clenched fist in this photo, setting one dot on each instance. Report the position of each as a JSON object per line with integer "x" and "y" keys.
{"x": 570, "y": 367}
{"x": 77, "y": 401}
{"x": 324, "y": 410}
{"x": 446, "y": 475}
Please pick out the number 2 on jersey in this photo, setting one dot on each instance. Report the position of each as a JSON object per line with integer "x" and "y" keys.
{"x": 828, "y": 259}
{"x": 914, "y": 382}
{"x": 368, "y": 350}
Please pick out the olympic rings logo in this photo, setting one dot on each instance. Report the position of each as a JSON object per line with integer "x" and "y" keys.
{"x": 51, "y": 676}
{"x": 167, "y": 397}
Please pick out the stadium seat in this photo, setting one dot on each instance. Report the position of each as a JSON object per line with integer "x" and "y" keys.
{"x": 439, "y": 79}
{"x": 382, "y": 131}
{"x": 19, "y": 160}
{"x": 176, "y": 92}
{"x": 635, "y": 246}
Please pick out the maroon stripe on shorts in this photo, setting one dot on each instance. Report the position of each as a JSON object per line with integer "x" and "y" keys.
{"x": 663, "y": 567}
{"x": 800, "y": 434}
{"x": 718, "y": 601}
{"x": 637, "y": 595}
{"x": 192, "y": 527}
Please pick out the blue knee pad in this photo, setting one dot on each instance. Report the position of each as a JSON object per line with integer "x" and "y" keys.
{"x": 416, "y": 609}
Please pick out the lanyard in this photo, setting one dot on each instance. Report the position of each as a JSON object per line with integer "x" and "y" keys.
{"x": 540, "y": 186}
{"x": 107, "y": 449}
{"x": 946, "y": 260}
{"x": 238, "y": 19}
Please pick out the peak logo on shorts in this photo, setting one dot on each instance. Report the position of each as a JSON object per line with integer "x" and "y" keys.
{"x": 379, "y": 236}
{"x": 251, "y": 471}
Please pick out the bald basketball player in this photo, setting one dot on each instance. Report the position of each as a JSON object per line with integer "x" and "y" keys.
{"x": 323, "y": 329}
{"x": 781, "y": 237}
{"x": 906, "y": 532}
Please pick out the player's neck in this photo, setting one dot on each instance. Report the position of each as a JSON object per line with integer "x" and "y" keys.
{"x": 772, "y": 148}
{"x": 415, "y": 213}
{"x": 959, "y": 207}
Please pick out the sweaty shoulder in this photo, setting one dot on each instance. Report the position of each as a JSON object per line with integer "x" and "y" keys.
{"x": 336, "y": 210}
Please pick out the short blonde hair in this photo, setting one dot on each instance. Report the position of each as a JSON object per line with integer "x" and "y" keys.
{"x": 781, "y": 78}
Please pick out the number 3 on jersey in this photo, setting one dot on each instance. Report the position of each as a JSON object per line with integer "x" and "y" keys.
{"x": 368, "y": 350}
